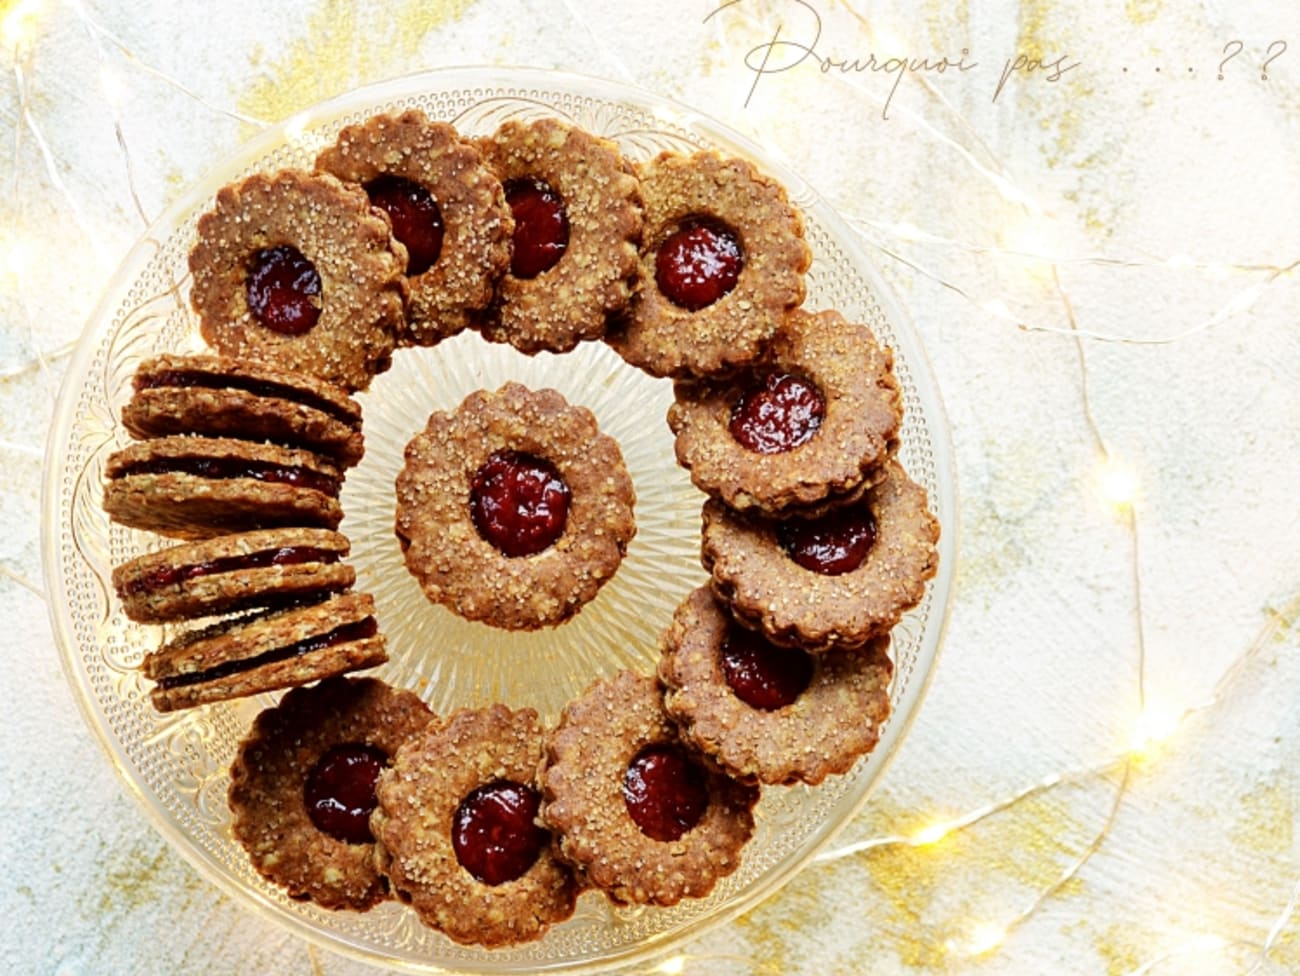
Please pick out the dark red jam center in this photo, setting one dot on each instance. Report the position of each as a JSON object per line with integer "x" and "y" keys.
{"x": 283, "y": 290}
{"x": 191, "y": 379}
{"x": 519, "y": 502}
{"x": 541, "y": 226}
{"x": 698, "y": 263}
{"x": 282, "y": 556}
{"x": 415, "y": 216}
{"x": 832, "y": 544}
{"x": 778, "y": 415}
{"x": 233, "y": 467}
{"x": 665, "y": 792}
{"x": 495, "y": 833}
{"x": 345, "y": 634}
{"x": 340, "y": 791}
{"x": 761, "y": 674}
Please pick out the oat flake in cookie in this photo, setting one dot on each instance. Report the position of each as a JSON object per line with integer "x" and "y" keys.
{"x": 302, "y": 787}
{"x": 514, "y": 509}
{"x": 577, "y": 213}
{"x": 639, "y": 813}
{"x": 446, "y": 207}
{"x": 811, "y": 422}
{"x": 722, "y": 261}
{"x": 295, "y": 270}
{"x": 835, "y": 580}
{"x": 775, "y": 714}
{"x": 458, "y": 833}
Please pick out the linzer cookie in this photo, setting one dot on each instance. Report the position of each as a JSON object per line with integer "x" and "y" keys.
{"x": 446, "y": 207}
{"x": 639, "y": 814}
{"x": 577, "y": 214}
{"x": 294, "y": 269}
{"x": 302, "y": 787}
{"x": 264, "y": 652}
{"x": 812, "y": 422}
{"x": 775, "y": 714}
{"x": 723, "y": 259}
{"x": 458, "y": 832}
{"x": 233, "y": 572}
{"x": 835, "y": 580}
{"x": 199, "y": 487}
{"x": 220, "y": 396}
{"x": 514, "y": 509}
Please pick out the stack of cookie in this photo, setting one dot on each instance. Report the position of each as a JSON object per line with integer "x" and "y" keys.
{"x": 243, "y": 461}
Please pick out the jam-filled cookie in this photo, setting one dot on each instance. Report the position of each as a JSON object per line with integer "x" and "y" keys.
{"x": 267, "y": 651}
{"x": 835, "y": 580}
{"x": 640, "y": 814}
{"x": 446, "y": 208}
{"x": 577, "y": 214}
{"x": 514, "y": 509}
{"x": 199, "y": 487}
{"x": 220, "y": 396}
{"x": 775, "y": 714}
{"x": 458, "y": 830}
{"x": 233, "y": 572}
{"x": 302, "y": 787}
{"x": 812, "y": 421}
{"x": 722, "y": 261}
{"x": 294, "y": 269}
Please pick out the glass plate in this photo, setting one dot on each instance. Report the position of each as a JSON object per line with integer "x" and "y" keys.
{"x": 176, "y": 765}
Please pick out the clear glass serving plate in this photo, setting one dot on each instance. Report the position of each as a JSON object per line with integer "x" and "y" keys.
{"x": 176, "y": 765}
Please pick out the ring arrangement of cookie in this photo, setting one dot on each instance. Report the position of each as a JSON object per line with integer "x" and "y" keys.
{"x": 513, "y": 509}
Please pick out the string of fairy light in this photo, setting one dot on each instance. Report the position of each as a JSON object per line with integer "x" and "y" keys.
{"x": 1029, "y": 240}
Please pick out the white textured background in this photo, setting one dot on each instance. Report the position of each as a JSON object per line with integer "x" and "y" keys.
{"x": 1104, "y": 264}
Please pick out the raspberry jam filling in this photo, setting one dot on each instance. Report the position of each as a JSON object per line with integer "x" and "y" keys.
{"x": 283, "y": 290}
{"x": 519, "y": 502}
{"x": 835, "y": 543}
{"x": 779, "y": 415}
{"x": 232, "y": 467}
{"x": 340, "y": 791}
{"x": 762, "y": 675}
{"x": 415, "y": 216}
{"x": 494, "y": 832}
{"x": 282, "y": 556}
{"x": 345, "y": 634}
{"x": 698, "y": 263}
{"x": 541, "y": 226}
{"x": 665, "y": 792}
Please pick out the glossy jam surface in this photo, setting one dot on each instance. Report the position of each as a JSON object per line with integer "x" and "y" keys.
{"x": 283, "y": 290}
{"x": 832, "y": 544}
{"x": 665, "y": 792}
{"x": 495, "y": 833}
{"x": 698, "y": 263}
{"x": 340, "y": 791}
{"x": 541, "y": 227}
{"x": 519, "y": 502}
{"x": 762, "y": 675}
{"x": 415, "y": 216}
{"x": 784, "y": 411}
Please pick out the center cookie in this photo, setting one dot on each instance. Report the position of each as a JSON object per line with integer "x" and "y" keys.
{"x": 514, "y": 509}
